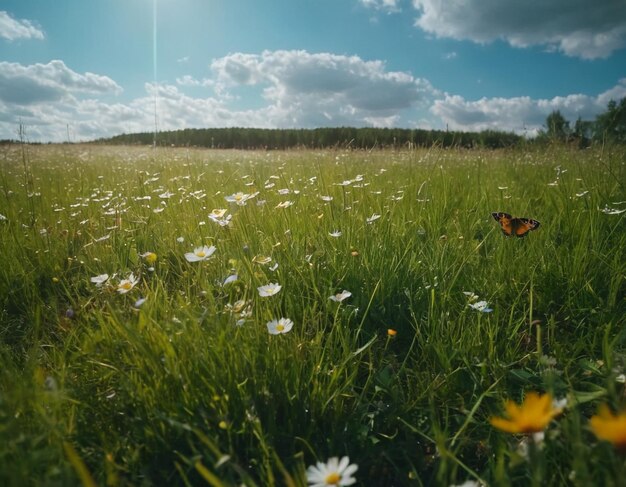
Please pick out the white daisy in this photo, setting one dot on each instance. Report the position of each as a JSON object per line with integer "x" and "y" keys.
{"x": 335, "y": 234}
{"x": 481, "y": 306}
{"x": 229, "y": 279}
{"x": 335, "y": 472}
{"x": 126, "y": 285}
{"x": 240, "y": 198}
{"x": 338, "y": 298}
{"x": 269, "y": 289}
{"x": 100, "y": 279}
{"x": 278, "y": 327}
{"x": 373, "y": 218}
{"x": 200, "y": 253}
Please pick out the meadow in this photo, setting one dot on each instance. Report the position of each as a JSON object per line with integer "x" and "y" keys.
{"x": 140, "y": 344}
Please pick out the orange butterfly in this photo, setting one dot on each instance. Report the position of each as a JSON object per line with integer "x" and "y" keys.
{"x": 515, "y": 226}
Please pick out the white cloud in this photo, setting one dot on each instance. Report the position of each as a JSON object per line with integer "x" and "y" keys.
{"x": 37, "y": 83}
{"x": 384, "y": 5}
{"x": 578, "y": 28}
{"x": 323, "y": 88}
{"x": 297, "y": 89}
{"x": 13, "y": 29}
{"x": 523, "y": 115}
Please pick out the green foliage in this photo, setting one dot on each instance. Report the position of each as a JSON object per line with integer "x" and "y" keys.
{"x": 320, "y": 138}
{"x": 190, "y": 388}
{"x": 557, "y": 126}
{"x": 611, "y": 125}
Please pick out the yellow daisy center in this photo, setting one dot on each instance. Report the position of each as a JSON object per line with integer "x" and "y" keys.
{"x": 332, "y": 478}
{"x": 126, "y": 285}
{"x": 280, "y": 327}
{"x": 200, "y": 253}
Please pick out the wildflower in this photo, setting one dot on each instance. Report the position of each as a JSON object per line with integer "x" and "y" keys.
{"x": 335, "y": 472}
{"x": 326, "y": 198}
{"x": 610, "y": 427}
{"x": 531, "y": 417}
{"x": 239, "y": 198}
{"x": 126, "y": 285}
{"x": 269, "y": 289}
{"x": 391, "y": 332}
{"x": 218, "y": 213}
{"x": 277, "y": 327}
{"x": 338, "y": 298}
{"x": 100, "y": 279}
{"x": 274, "y": 267}
{"x": 470, "y": 295}
{"x": 139, "y": 302}
{"x": 611, "y": 211}
{"x": 469, "y": 483}
{"x": 481, "y": 306}
{"x": 284, "y": 204}
{"x": 149, "y": 257}
{"x": 229, "y": 279}
{"x": 373, "y": 218}
{"x": 335, "y": 234}
{"x": 180, "y": 239}
{"x": 200, "y": 253}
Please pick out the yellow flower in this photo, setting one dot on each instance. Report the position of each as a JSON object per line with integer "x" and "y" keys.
{"x": 391, "y": 332}
{"x": 610, "y": 427}
{"x": 531, "y": 417}
{"x": 149, "y": 257}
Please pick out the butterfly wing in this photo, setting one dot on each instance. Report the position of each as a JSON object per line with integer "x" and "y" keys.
{"x": 504, "y": 219}
{"x": 521, "y": 226}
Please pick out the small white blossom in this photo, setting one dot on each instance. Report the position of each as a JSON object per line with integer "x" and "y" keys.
{"x": 200, "y": 253}
{"x": 269, "y": 289}
{"x": 335, "y": 472}
{"x": 100, "y": 279}
{"x": 278, "y": 327}
{"x": 338, "y": 298}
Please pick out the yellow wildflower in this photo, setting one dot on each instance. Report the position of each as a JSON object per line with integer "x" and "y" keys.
{"x": 532, "y": 416}
{"x": 610, "y": 427}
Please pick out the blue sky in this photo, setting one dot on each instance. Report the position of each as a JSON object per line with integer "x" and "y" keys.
{"x": 468, "y": 65}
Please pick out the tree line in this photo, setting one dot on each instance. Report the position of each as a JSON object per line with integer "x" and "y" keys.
{"x": 609, "y": 126}
{"x": 318, "y": 138}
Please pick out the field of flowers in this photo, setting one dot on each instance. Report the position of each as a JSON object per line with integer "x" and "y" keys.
{"x": 191, "y": 317}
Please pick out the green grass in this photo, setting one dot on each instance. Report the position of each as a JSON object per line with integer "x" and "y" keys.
{"x": 177, "y": 393}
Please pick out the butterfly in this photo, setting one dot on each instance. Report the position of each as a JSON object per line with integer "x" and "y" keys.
{"x": 515, "y": 226}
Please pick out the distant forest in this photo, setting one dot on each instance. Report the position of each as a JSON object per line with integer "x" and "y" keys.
{"x": 609, "y": 126}
{"x": 339, "y": 137}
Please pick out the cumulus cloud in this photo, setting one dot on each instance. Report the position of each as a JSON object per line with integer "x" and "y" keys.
{"x": 13, "y": 29}
{"x": 37, "y": 83}
{"x": 523, "y": 115}
{"x": 577, "y": 28}
{"x": 296, "y": 89}
{"x": 323, "y": 88}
